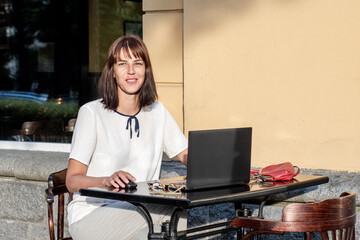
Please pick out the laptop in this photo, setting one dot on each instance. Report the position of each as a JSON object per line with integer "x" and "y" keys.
{"x": 218, "y": 158}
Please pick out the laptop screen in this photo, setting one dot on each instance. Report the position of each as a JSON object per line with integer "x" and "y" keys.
{"x": 218, "y": 158}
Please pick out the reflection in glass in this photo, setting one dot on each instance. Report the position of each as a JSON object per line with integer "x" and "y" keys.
{"x": 51, "y": 55}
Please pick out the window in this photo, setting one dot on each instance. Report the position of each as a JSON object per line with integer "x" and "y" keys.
{"x": 51, "y": 56}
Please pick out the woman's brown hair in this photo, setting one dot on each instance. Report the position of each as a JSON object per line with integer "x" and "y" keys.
{"x": 107, "y": 84}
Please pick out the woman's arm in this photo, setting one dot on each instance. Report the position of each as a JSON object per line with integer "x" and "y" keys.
{"x": 76, "y": 178}
{"x": 183, "y": 156}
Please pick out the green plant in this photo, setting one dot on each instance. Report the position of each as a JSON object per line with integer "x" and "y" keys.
{"x": 32, "y": 111}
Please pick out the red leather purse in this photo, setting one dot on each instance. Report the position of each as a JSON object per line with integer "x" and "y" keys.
{"x": 279, "y": 172}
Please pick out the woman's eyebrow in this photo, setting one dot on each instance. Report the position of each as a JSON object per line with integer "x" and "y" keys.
{"x": 125, "y": 60}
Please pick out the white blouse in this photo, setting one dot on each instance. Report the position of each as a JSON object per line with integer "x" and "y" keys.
{"x": 108, "y": 141}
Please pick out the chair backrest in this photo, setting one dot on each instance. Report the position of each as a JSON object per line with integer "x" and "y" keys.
{"x": 31, "y": 128}
{"x": 71, "y": 125}
{"x": 56, "y": 187}
{"x": 333, "y": 218}
{"x": 330, "y": 217}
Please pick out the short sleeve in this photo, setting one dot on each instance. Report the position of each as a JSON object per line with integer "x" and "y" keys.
{"x": 174, "y": 140}
{"x": 84, "y": 137}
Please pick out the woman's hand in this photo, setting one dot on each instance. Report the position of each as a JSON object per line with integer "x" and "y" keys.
{"x": 118, "y": 179}
{"x": 76, "y": 178}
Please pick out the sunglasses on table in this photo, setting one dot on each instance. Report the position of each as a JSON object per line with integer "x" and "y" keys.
{"x": 161, "y": 188}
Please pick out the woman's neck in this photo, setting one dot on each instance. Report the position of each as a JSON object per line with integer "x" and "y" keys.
{"x": 128, "y": 104}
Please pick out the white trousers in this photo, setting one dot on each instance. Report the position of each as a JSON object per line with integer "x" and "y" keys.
{"x": 122, "y": 220}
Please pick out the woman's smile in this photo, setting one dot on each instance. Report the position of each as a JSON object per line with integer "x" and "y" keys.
{"x": 131, "y": 80}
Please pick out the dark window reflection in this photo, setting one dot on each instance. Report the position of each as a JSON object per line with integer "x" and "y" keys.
{"x": 41, "y": 57}
{"x": 41, "y": 47}
{"x": 50, "y": 60}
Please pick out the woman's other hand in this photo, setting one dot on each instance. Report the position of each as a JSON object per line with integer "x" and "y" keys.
{"x": 183, "y": 156}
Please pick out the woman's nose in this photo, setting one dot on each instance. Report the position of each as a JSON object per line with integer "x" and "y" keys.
{"x": 131, "y": 69}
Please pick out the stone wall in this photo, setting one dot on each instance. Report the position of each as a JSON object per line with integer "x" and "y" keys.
{"x": 23, "y": 179}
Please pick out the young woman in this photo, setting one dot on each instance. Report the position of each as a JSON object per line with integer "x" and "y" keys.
{"x": 117, "y": 138}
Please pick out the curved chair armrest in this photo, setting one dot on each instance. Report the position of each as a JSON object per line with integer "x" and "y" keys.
{"x": 263, "y": 226}
{"x": 49, "y": 195}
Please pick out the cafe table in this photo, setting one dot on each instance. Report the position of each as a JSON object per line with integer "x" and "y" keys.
{"x": 255, "y": 190}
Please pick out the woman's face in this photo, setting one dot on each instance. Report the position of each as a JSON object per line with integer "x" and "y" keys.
{"x": 129, "y": 72}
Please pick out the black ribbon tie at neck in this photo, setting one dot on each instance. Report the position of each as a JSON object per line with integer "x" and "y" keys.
{"x": 129, "y": 123}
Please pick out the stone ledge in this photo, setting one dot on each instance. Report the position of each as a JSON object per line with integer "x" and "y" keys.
{"x": 37, "y": 165}
{"x": 31, "y": 165}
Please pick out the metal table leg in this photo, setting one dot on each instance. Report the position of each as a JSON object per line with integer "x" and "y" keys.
{"x": 174, "y": 220}
{"x": 146, "y": 214}
{"x": 169, "y": 228}
{"x": 243, "y": 211}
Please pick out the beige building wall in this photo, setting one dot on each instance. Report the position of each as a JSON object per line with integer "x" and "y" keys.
{"x": 289, "y": 69}
{"x": 163, "y": 34}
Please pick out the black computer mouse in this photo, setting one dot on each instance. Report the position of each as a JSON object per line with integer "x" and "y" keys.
{"x": 130, "y": 185}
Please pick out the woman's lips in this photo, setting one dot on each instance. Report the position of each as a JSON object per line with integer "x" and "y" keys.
{"x": 131, "y": 80}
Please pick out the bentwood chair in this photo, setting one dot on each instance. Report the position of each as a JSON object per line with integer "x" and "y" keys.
{"x": 57, "y": 187}
{"x": 333, "y": 218}
{"x": 68, "y": 130}
{"x": 30, "y": 131}
{"x": 71, "y": 125}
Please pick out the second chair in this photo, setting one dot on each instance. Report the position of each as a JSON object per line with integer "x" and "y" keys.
{"x": 333, "y": 218}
